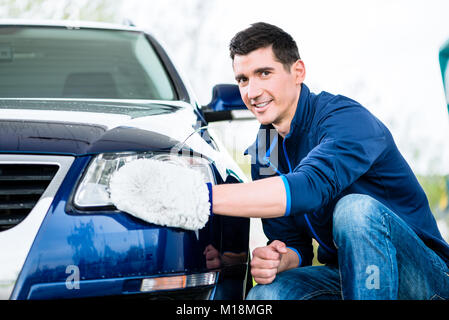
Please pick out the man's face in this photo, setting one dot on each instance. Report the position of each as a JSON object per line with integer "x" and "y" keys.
{"x": 269, "y": 91}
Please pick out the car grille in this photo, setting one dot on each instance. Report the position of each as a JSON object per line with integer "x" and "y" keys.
{"x": 21, "y": 186}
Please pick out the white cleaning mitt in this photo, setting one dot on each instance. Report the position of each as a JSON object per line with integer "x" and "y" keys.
{"x": 161, "y": 193}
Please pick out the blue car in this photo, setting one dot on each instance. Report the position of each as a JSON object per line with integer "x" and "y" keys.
{"x": 76, "y": 103}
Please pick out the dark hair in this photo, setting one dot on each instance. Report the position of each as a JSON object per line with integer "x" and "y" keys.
{"x": 262, "y": 35}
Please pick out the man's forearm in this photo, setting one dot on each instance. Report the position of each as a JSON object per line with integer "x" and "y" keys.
{"x": 265, "y": 198}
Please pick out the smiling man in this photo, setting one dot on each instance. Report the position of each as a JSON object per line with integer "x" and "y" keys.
{"x": 325, "y": 168}
{"x": 269, "y": 89}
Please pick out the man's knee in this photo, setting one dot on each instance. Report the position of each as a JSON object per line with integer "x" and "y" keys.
{"x": 280, "y": 287}
{"x": 303, "y": 283}
{"x": 355, "y": 212}
{"x": 271, "y": 291}
{"x": 261, "y": 292}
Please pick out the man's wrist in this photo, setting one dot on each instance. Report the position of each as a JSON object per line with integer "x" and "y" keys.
{"x": 289, "y": 260}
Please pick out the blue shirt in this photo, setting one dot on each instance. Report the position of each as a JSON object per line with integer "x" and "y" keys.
{"x": 336, "y": 147}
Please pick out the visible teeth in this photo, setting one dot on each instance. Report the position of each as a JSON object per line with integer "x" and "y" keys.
{"x": 260, "y": 105}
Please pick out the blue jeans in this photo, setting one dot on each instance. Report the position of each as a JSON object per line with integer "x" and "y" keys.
{"x": 380, "y": 257}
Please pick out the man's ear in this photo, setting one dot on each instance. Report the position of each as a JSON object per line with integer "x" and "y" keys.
{"x": 299, "y": 70}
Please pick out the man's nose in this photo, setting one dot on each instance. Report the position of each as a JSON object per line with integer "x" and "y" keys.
{"x": 254, "y": 90}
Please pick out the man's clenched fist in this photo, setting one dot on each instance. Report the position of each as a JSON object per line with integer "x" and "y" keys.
{"x": 266, "y": 261}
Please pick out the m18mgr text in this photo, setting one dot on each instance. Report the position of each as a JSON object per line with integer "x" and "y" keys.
{"x": 225, "y": 309}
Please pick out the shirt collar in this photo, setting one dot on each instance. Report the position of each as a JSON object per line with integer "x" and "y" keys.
{"x": 303, "y": 112}
{"x": 300, "y": 119}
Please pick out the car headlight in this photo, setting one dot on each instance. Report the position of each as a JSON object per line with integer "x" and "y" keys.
{"x": 93, "y": 191}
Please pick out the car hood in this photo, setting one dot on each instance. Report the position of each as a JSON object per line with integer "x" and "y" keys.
{"x": 90, "y": 127}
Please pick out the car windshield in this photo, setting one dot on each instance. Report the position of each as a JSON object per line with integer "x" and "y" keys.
{"x": 54, "y": 62}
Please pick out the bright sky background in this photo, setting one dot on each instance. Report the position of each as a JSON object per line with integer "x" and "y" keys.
{"x": 382, "y": 53}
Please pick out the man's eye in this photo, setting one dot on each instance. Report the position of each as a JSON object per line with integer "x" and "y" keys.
{"x": 265, "y": 73}
{"x": 241, "y": 80}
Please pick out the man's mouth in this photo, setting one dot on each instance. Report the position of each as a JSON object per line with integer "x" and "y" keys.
{"x": 261, "y": 106}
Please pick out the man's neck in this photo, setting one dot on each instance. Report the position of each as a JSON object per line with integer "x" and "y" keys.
{"x": 283, "y": 128}
{"x": 284, "y": 125}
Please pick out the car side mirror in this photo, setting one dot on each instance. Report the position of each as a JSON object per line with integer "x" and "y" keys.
{"x": 226, "y": 104}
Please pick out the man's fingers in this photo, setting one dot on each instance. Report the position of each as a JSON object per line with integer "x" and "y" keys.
{"x": 258, "y": 263}
{"x": 264, "y": 280}
{"x": 263, "y": 273}
{"x": 279, "y": 246}
{"x": 266, "y": 260}
{"x": 271, "y": 252}
{"x": 267, "y": 253}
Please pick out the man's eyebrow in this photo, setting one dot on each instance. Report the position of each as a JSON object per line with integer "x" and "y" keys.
{"x": 256, "y": 71}
{"x": 239, "y": 77}
{"x": 262, "y": 69}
